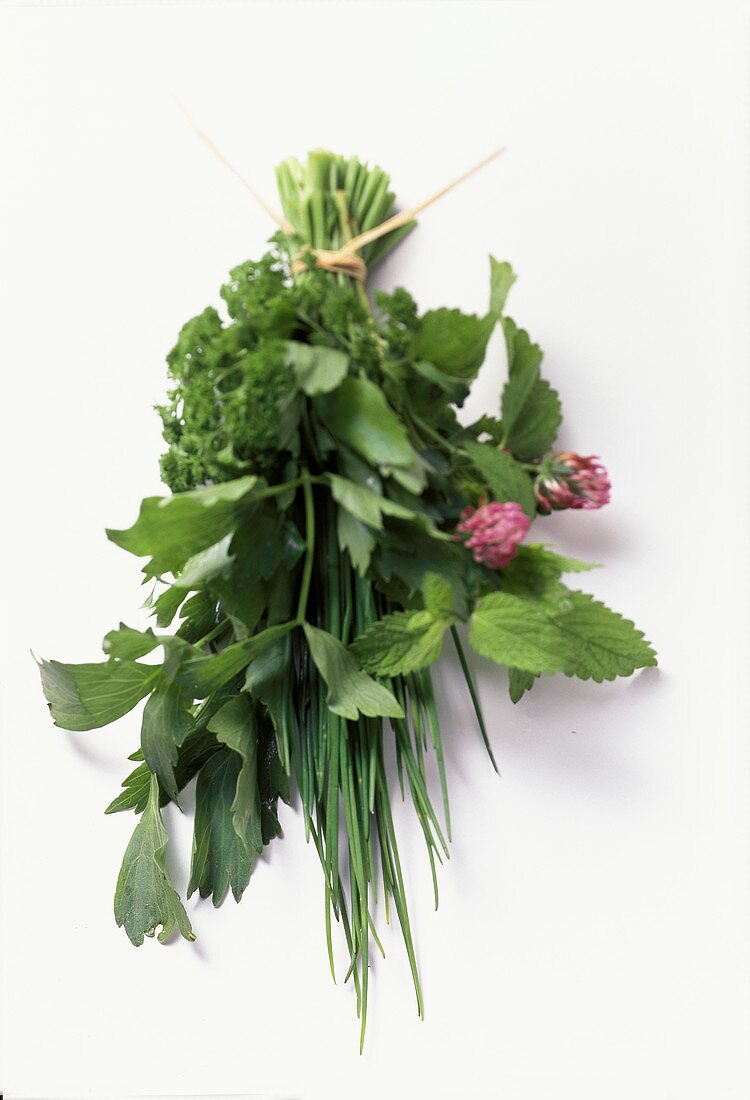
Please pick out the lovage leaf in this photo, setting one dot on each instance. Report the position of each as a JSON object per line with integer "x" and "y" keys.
{"x": 171, "y": 530}
{"x": 127, "y": 644}
{"x": 191, "y": 755}
{"x": 235, "y": 726}
{"x": 206, "y": 674}
{"x": 317, "y": 369}
{"x": 364, "y": 504}
{"x": 86, "y": 697}
{"x": 145, "y": 897}
{"x": 220, "y": 859}
{"x": 166, "y": 723}
{"x": 351, "y": 691}
{"x": 358, "y": 414}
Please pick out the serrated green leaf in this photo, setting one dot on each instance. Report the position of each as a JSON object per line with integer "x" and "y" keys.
{"x": 502, "y": 279}
{"x": 438, "y": 594}
{"x": 86, "y": 697}
{"x": 220, "y": 860}
{"x": 504, "y": 477}
{"x": 513, "y": 631}
{"x": 519, "y": 682}
{"x": 351, "y": 691}
{"x": 358, "y": 415}
{"x": 454, "y": 341}
{"x": 171, "y": 530}
{"x": 317, "y": 369}
{"x": 531, "y": 409}
{"x": 585, "y": 640}
{"x": 166, "y": 723}
{"x": 401, "y": 643}
{"x": 603, "y": 643}
{"x": 145, "y": 897}
{"x": 236, "y": 727}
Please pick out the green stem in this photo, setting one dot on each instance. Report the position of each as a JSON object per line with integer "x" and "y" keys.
{"x": 306, "y": 481}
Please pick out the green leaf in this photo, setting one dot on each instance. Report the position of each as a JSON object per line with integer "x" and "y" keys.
{"x": 454, "y": 341}
{"x": 235, "y": 726}
{"x": 603, "y": 644}
{"x": 519, "y": 682}
{"x": 220, "y": 859}
{"x": 171, "y": 530}
{"x": 354, "y": 537}
{"x": 191, "y": 755}
{"x": 351, "y": 691}
{"x": 513, "y": 631}
{"x": 166, "y": 723}
{"x": 358, "y": 414}
{"x": 86, "y": 697}
{"x": 438, "y": 594}
{"x": 502, "y": 475}
{"x": 317, "y": 369}
{"x": 364, "y": 504}
{"x": 530, "y": 407}
{"x": 204, "y": 675}
{"x": 145, "y": 897}
{"x": 401, "y": 643}
{"x": 501, "y": 280}
{"x": 127, "y": 644}
{"x": 585, "y": 640}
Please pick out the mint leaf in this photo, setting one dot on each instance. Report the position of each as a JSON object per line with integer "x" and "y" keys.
{"x": 170, "y": 530}
{"x": 166, "y": 723}
{"x": 519, "y": 682}
{"x": 453, "y": 341}
{"x": 502, "y": 279}
{"x": 220, "y": 859}
{"x": 401, "y": 643}
{"x": 86, "y": 697}
{"x": 502, "y": 475}
{"x": 513, "y": 631}
{"x": 235, "y": 726}
{"x": 603, "y": 644}
{"x": 358, "y": 414}
{"x": 316, "y": 369}
{"x": 438, "y": 594}
{"x": 351, "y": 691}
{"x": 531, "y": 409}
{"x": 585, "y": 639}
{"x": 145, "y": 897}
{"x": 534, "y": 573}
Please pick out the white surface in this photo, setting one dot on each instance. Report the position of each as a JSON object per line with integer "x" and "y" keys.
{"x": 591, "y": 940}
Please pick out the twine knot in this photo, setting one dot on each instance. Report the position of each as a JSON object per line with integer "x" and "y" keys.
{"x": 334, "y": 260}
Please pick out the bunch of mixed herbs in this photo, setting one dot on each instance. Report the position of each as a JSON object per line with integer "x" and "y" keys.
{"x": 330, "y": 523}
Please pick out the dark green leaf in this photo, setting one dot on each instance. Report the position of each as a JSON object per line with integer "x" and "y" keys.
{"x": 454, "y": 341}
{"x": 236, "y": 727}
{"x": 204, "y": 675}
{"x": 220, "y": 859}
{"x": 519, "y": 682}
{"x": 127, "y": 644}
{"x": 166, "y": 724}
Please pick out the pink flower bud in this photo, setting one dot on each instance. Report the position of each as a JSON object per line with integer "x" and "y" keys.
{"x": 569, "y": 480}
{"x": 494, "y": 531}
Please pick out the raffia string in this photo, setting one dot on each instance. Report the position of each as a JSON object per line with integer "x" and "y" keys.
{"x": 343, "y": 260}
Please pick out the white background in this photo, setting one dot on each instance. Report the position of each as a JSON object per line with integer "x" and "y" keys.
{"x": 591, "y": 939}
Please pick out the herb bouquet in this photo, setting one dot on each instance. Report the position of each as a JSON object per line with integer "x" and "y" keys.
{"x": 330, "y": 524}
